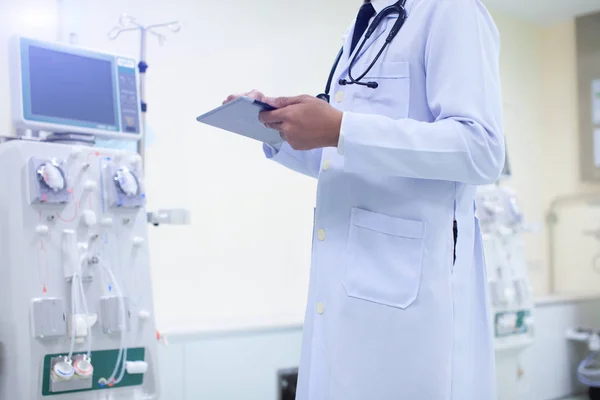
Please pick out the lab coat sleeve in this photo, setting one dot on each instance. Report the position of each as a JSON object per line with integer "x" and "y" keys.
{"x": 305, "y": 162}
{"x": 465, "y": 142}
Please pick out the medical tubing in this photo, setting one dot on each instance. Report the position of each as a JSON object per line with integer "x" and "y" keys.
{"x": 85, "y": 310}
{"x": 73, "y": 314}
{"x": 122, "y": 374}
{"x": 332, "y": 72}
{"x": 120, "y": 356}
{"x": 123, "y": 328}
{"x": 362, "y": 44}
{"x": 123, "y": 333}
{"x": 123, "y": 322}
{"x": 101, "y": 186}
{"x": 583, "y": 374}
{"x": 117, "y": 288}
{"x": 122, "y": 348}
{"x": 370, "y": 66}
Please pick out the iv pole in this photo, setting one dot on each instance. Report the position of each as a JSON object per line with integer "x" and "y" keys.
{"x": 129, "y": 24}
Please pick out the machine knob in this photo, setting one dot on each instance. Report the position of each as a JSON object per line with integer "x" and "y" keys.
{"x": 106, "y": 222}
{"x": 90, "y": 186}
{"x": 144, "y": 315}
{"x": 135, "y": 160}
{"x": 63, "y": 370}
{"x": 136, "y": 367}
{"x": 83, "y": 368}
{"x": 42, "y": 230}
{"x": 89, "y": 218}
{"x": 127, "y": 182}
{"x": 138, "y": 241}
{"x": 52, "y": 176}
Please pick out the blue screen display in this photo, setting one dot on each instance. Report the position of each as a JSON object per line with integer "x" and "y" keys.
{"x": 71, "y": 87}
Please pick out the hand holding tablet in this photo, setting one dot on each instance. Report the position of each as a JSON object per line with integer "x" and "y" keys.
{"x": 240, "y": 116}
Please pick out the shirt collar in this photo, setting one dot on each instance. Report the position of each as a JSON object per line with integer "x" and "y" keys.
{"x": 379, "y": 5}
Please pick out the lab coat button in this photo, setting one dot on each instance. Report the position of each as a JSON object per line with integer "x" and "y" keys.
{"x": 320, "y": 308}
{"x": 321, "y": 234}
{"x": 326, "y": 165}
{"x": 339, "y": 96}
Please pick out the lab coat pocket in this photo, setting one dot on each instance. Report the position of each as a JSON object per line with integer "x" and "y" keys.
{"x": 391, "y": 98}
{"x": 384, "y": 259}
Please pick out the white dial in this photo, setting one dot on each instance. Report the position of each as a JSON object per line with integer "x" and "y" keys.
{"x": 52, "y": 176}
{"x": 127, "y": 182}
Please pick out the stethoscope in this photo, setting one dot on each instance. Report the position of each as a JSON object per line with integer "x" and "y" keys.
{"x": 397, "y": 8}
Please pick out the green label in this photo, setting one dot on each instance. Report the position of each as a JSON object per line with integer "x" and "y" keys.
{"x": 103, "y": 362}
{"x": 519, "y": 327}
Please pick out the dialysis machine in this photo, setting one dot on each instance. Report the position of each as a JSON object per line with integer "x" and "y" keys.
{"x": 76, "y": 318}
{"x": 510, "y": 296}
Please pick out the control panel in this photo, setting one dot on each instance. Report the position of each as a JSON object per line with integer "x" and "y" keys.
{"x": 76, "y": 294}
{"x": 128, "y": 96}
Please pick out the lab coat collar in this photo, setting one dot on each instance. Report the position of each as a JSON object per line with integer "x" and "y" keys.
{"x": 379, "y": 5}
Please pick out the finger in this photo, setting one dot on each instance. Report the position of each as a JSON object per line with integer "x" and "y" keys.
{"x": 230, "y": 98}
{"x": 274, "y": 126}
{"x": 255, "y": 95}
{"x": 272, "y": 117}
{"x": 281, "y": 102}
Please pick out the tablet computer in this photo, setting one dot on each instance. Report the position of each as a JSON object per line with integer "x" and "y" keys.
{"x": 241, "y": 116}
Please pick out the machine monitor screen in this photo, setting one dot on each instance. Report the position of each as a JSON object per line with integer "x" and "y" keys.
{"x": 67, "y": 89}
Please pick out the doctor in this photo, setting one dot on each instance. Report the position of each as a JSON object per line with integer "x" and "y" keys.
{"x": 397, "y": 301}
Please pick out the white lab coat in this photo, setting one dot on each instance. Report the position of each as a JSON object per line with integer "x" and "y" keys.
{"x": 390, "y": 316}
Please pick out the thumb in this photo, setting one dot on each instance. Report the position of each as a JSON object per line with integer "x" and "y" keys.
{"x": 280, "y": 102}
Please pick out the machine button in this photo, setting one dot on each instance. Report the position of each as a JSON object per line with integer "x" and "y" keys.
{"x": 321, "y": 235}
{"x": 138, "y": 241}
{"x": 63, "y": 370}
{"x": 144, "y": 315}
{"x": 89, "y": 218}
{"x": 127, "y": 182}
{"x": 90, "y": 186}
{"x": 83, "y": 368}
{"x": 52, "y": 176}
{"x": 106, "y": 222}
{"x": 136, "y": 367}
{"x": 326, "y": 165}
{"x": 42, "y": 230}
{"x": 339, "y": 96}
{"x": 135, "y": 161}
{"x": 320, "y": 308}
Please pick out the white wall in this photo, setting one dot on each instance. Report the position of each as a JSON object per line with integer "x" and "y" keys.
{"x": 574, "y": 251}
{"x": 245, "y": 259}
{"x": 520, "y": 68}
{"x": 539, "y": 77}
{"x": 240, "y": 366}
